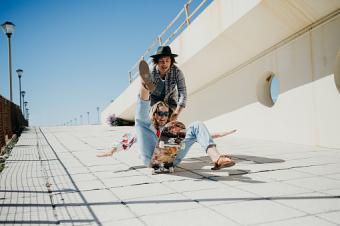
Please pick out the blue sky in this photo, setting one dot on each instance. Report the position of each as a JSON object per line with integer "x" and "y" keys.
{"x": 76, "y": 53}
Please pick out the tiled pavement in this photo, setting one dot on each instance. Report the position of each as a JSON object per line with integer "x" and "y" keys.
{"x": 53, "y": 177}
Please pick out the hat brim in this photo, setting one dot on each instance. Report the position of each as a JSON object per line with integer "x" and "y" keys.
{"x": 161, "y": 55}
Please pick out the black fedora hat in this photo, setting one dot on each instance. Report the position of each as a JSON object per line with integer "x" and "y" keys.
{"x": 163, "y": 51}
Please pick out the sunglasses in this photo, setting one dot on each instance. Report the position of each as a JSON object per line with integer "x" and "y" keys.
{"x": 163, "y": 113}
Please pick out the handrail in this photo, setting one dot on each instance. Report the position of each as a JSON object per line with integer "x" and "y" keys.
{"x": 133, "y": 72}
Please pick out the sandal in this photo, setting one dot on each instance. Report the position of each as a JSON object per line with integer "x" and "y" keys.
{"x": 144, "y": 73}
{"x": 222, "y": 162}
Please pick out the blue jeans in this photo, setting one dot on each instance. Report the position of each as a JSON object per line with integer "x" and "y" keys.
{"x": 147, "y": 139}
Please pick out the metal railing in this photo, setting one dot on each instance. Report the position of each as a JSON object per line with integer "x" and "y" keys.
{"x": 133, "y": 72}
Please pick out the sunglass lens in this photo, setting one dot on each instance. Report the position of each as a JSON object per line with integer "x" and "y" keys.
{"x": 163, "y": 113}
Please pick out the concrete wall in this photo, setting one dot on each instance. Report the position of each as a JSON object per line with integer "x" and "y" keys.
{"x": 229, "y": 49}
{"x": 308, "y": 108}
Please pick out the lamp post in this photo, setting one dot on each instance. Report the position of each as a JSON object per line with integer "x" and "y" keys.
{"x": 81, "y": 119}
{"x": 98, "y": 114}
{"x": 23, "y": 101}
{"x": 27, "y": 114}
{"x": 25, "y": 108}
{"x": 88, "y": 118}
{"x": 20, "y": 72}
{"x": 8, "y": 28}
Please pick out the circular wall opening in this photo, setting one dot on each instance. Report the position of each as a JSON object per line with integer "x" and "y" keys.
{"x": 268, "y": 89}
{"x": 337, "y": 71}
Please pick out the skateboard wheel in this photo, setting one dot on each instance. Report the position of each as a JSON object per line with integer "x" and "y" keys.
{"x": 153, "y": 172}
{"x": 161, "y": 144}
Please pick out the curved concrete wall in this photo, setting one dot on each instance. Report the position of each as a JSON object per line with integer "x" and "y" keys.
{"x": 230, "y": 46}
{"x": 308, "y": 107}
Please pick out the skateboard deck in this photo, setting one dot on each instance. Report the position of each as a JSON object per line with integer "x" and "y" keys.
{"x": 169, "y": 144}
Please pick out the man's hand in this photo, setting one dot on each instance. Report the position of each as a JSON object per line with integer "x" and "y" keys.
{"x": 174, "y": 117}
{"x": 175, "y": 114}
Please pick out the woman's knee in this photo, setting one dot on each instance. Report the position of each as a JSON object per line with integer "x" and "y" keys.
{"x": 196, "y": 125}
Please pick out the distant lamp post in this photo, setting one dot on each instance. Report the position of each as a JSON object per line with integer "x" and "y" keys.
{"x": 81, "y": 119}
{"x": 8, "y": 28}
{"x": 27, "y": 114}
{"x": 23, "y": 101}
{"x": 98, "y": 114}
{"x": 20, "y": 72}
{"x": 88, "y": 118}
{"x": 25, "y": 108}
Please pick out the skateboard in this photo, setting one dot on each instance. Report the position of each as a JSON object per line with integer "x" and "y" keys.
{"x": 169, "y": 144}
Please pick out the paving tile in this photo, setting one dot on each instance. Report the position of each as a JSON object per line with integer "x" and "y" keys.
{"x": 138, "y": 191}
{"x": 318, "y": 183}
{"x": 322, "y": 169}
{"x": 127, "y": 181}
{"x": 335, "y": 192}
{"x": 111, "y": 212}
{"x": 129, "y": 222}
{"x": 272, "y": 183}
{"x": 243, "y": 179}
{"x": 309, "y": 220}
{"x": 108, "y": 168}
{"x": 257, "y": 211}
{"x": 116, "y": 174}
{"x": 331, "y": 217}
{"x": 94, "y": 184}
{"x": 161, "y": 204}
{"x": 25, "y": 214}
{"x": 192, "y": 185}
{"x": 271, "y": 189}
{"x": 199, "y": 217}
{"x": 312, "y": 203}
{"x": 333, "y": 176}
{"x": 68, "y": 198}
{"x": 284, "y": 175}
{"x": 75, "y": 213}
{"x": 218, "y": 196}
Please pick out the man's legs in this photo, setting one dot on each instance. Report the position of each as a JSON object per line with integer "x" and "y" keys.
{"x": 145, "y": 135}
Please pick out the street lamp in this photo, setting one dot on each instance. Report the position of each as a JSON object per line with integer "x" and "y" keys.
{"x": 20, "y": 72}
{"x": 27, "y": 114}
{"x": 8, "y": 28}
{"x": 25, "y": 108}
{"x": 81, "y": 119}
{"x": 98, "y": 114}
{"x": 88, "y": 118}
{"x": 23, "y": 101}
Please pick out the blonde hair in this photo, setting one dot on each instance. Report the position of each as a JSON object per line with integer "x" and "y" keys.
{"x": 153, "y": 111}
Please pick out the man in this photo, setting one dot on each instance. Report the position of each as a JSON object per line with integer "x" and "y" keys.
{"x": 149, "y": 124}
{"x": 166, "y": 81}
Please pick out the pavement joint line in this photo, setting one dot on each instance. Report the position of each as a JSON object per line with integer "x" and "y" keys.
{"x": 273, "y": 199}
{"x": 46, "y": 176}
{"x": 327, "y": 194}
{"x": 178, "y": 192}
{"x": 122, "y": 202}
{"x": 70, "y": 177}
{"x": 189, "y": 198}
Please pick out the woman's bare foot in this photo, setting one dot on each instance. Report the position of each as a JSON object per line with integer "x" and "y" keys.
{"x": 222, "y": 134}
